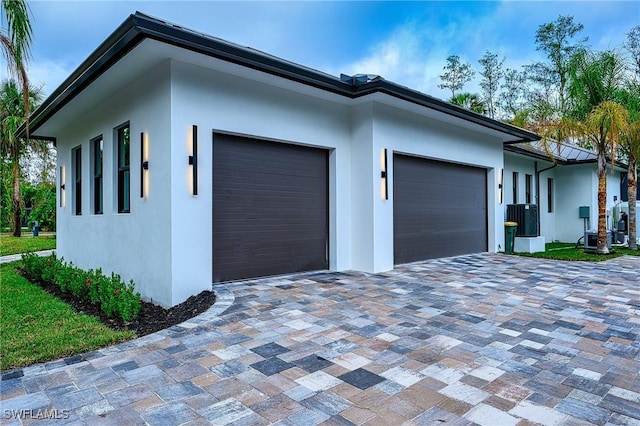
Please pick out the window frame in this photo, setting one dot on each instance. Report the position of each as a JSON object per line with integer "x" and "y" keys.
{"x": 123, "y": 167}
{"x": 515, "y": 187}
{"x": 76, "y": 167}
{"x": 97, "y": 174}
{"x": 528, "y": 188}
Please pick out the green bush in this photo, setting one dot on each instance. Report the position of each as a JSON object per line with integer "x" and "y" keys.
{"x": 33, "y": 265}
{"x": 111, "y": 294}
{"x": 43, "y": 207}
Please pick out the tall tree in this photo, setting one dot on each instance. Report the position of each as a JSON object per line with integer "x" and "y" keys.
{"x": 491, "y": 74}
{"x": 512, "y": 96}
{"x": 559, "y": 41}
{"x": 15, "y": 40}
{"x": 456, "y": 74}
{"x": 12, "y": 116}
{"x": 633, "y": 46}
{"x": 539, "y": 94}
{"x": 596, "y": 79}
{"x": 605, "y": 126}
{"x": 631, "y": 99}
{"x": 631, "y": 143}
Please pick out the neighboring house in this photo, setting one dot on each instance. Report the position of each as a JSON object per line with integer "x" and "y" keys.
{"x": 185, "y": 160}
{"x": 565, "y": 185}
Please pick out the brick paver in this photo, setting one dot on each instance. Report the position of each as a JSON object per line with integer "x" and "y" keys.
{"x": 482, "y": 339}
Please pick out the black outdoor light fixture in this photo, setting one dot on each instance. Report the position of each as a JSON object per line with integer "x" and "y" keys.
{"x": 384, "y": 182}
{"x": 193, "y": 159}
{"x": 144, "y": 165}
{"x": 500, "y": 180}
{"x": 62, "y": 186}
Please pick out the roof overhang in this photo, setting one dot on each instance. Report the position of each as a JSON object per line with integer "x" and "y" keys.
{"x": 141, "y": 42}
{"x": 568, "y": 155}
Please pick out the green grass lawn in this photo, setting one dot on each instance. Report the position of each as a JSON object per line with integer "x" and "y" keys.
{"x": 36, "y": 326}
{"x": 13, "y": 245}
{"x": 569, "y": 251}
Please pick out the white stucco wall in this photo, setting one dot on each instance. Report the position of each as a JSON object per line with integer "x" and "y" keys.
{"x": 577, "y": 185}
{"x": 404, "y": 132}
{"x": 363, "y": 187}
{"x": 229, "y": 104}
{"x": 361, "y": 221}
{"x": 524, "y": 166}
{"x": 165, "y": 243}
{"x": 134, "y": 245}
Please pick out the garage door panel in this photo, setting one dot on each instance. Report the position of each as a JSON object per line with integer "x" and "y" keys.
{"x": 270, "y": 213}
{"x": 440, "y": 209}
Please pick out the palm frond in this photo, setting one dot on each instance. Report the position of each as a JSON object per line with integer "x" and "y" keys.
{"x": 19, "y": 28}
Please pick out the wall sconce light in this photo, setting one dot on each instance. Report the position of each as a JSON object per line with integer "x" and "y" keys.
{"x": 62, "y": 186}
{"x": 384, "y": 182}
{"x": 500, "y": 185}
{"x": 193, "y": 159}
{"x": 144, "y": 165}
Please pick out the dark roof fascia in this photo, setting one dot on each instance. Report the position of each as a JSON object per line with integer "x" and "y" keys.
{"x": 138, "y": 26}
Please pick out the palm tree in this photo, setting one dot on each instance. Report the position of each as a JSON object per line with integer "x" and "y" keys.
{"x": 469, "y": 101}
{"x": 595, "y": 82}
{"x": 12, "y": 116}
{"x": 604, "y": 128}
{"x": 16, "y": 42}
{"x": 631, "y": 144}
{"x": 630, "y": 98}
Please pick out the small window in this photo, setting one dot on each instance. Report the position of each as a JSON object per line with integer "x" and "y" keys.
{"x": 124, "y": 176}
{"x": 550, "y": 195}
{"x": 76, "y": 158}
{"x": 528, "y": 179}
{"x": 97, "y": 148}
{"x": 515, "y": 187}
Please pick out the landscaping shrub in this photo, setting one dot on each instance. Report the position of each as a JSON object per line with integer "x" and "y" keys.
{"x": 111, "y": 294}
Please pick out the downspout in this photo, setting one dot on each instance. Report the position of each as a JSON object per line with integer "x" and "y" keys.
{"x": 538, "y": 172}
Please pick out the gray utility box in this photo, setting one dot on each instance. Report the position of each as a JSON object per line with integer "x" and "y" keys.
{"x": 526, "y": 215}
{"x": 584, "y": 212}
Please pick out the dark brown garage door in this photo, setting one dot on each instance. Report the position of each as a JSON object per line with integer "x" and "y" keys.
{"x": 439, "y": 209}
{"x": 270, "y": 208}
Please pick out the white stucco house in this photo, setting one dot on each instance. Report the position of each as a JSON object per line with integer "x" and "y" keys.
{"x": 560, "y": 187}
{"x": 185, "y": 160}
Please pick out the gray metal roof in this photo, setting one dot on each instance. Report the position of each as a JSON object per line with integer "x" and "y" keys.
{"x": 563, "y": 153}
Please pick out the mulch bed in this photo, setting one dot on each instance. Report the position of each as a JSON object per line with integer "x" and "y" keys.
{"x": 152, "y": 317}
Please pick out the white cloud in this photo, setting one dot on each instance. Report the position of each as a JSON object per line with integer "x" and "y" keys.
{"x": 415, "y": 53}
{"x": 404, "y": 58}
{"x": 47, "y": 75}
{"x": 409, "y": 48}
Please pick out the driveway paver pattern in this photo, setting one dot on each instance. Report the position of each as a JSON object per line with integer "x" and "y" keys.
{"x": 482, "y": 339}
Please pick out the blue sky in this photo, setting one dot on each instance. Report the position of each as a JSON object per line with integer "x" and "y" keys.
{"x": 405, "y": 42}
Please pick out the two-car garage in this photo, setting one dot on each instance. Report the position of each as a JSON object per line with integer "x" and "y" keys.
{"x": 250, "y": 165}
{"x": 271, "y": 208}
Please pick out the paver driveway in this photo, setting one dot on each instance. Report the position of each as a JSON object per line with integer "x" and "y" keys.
{"x": 487, "y": 339}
